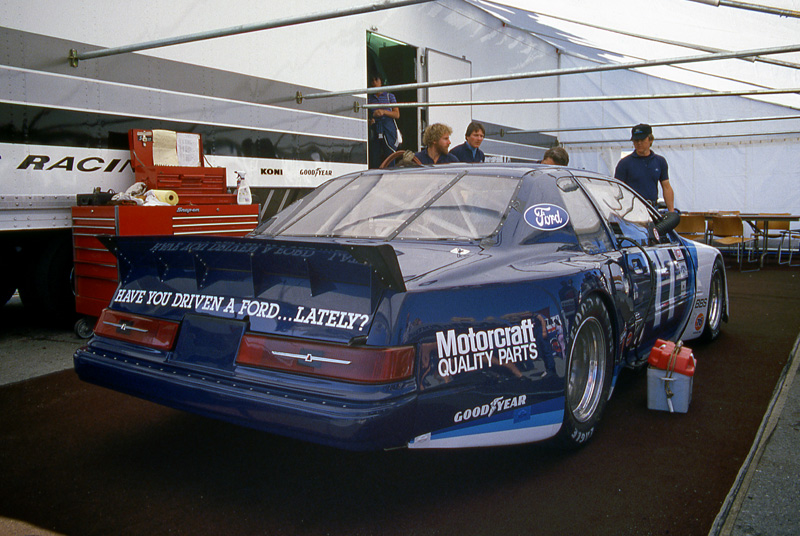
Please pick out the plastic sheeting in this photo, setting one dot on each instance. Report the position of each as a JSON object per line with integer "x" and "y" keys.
{"x": 750, "y": 167}
{"x": 712, "y": 167}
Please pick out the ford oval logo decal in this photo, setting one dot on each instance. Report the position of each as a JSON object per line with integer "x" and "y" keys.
{"x": 546, "y": 217}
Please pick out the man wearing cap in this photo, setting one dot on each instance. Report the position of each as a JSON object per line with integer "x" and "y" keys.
{"x": 643, "y": 169}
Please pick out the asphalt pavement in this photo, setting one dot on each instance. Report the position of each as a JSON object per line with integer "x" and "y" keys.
{"x": 19, "y": 341}
{"x": 762, "y": 501}
{"x": 764, "y": 498}
{"x": 28, "y": 349}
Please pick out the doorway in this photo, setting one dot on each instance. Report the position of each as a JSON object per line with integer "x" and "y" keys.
{"x": 396, "y": 63}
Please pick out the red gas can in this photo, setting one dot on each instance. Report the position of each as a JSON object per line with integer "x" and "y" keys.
{"x": 661, "y": 355}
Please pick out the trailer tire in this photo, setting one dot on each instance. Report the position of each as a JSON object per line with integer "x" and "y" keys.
{"x": 6, "y": 291}
{"x": 45, "y": 287}
{"x": 8, "y": 273}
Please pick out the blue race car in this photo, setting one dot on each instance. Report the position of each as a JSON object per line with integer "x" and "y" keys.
{"x": 427, "y": 307}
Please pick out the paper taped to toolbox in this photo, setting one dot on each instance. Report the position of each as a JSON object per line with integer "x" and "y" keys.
{"x": 165, "y": 148}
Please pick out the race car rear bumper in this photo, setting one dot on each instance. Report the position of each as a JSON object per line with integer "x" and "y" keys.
{"x": 375, "y": 417}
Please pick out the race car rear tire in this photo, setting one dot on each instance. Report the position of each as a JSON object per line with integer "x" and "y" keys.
{"x": 716, "y": 303}
{"x": 588, "y": 375}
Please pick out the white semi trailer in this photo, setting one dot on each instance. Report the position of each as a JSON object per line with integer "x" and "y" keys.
{"x": 65, "y": 116}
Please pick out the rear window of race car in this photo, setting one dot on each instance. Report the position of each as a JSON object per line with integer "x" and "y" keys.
{"x": 558, "y": 212}
{"x": 423, "y": 205}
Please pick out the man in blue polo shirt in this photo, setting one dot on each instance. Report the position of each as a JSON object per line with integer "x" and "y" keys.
{"x": 470, "y": 151}
{"x": 643, "y": 169}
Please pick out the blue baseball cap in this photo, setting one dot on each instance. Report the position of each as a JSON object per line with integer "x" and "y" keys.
{"x": 641, "y": 131}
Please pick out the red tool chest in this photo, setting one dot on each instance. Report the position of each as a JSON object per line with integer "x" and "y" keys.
{"x": 96, "y": 267}
{"x": 166, "y": 160}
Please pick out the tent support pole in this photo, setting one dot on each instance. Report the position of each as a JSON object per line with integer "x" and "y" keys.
{"x": 560, "y": 72}
{"x": 75, "y": 56}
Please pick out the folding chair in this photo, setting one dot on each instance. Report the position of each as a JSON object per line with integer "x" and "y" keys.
{"x": 710, "y": 221}
{"x": 693, "y": 227}
{"x": 788, "y": 235}
{"x": 729, "y": 231}
{"x": 764, "y": 230}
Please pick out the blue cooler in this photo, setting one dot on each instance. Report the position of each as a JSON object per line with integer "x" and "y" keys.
{"x": 670, "y": 375}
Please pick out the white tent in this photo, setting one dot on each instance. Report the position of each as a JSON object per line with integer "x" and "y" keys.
{"x": 722, "y": 152}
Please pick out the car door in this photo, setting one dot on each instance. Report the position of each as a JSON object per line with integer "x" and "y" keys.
{"x": 661, "y": 285}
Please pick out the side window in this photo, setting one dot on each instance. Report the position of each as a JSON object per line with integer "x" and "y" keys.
{"x": 591, "y": 233}
{"x": 627, "y": 215}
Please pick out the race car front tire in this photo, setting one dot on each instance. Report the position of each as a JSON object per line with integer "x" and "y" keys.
{"x": 716, "y": 303}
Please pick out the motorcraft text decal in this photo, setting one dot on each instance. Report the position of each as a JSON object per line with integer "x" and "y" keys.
{"x": 476, "y": 350}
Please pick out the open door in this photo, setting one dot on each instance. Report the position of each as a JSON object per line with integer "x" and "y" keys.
{"x": 441, "y": 66}
{"x": 396, "y": 63}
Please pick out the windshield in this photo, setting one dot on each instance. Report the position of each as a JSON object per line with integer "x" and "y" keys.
{"x": 419, "y": 205}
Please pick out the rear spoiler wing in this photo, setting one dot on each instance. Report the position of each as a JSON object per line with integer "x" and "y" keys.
{"x": 259, "y": 264}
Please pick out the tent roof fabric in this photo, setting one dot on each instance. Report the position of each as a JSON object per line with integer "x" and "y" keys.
{"x": 602, "y": 44}
{"x": 723, "y": 152}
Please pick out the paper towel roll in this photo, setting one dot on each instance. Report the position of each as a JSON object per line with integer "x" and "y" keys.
{"x": 166, "y": 196}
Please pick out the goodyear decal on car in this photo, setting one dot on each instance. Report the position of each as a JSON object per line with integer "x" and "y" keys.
{"x": 479, "y": 349}
{"x": 546, "y": 217}
{"x": 487, "y": 410}
{"x": 517, "y": 425}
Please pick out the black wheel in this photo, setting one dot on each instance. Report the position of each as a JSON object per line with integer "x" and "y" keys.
{"x": 6, "y": 291}
{"x": 9, "y": 273}
{"x": 716, "y": 303}
{"x": 588, "y": 376}
{"x": 45, "y": 287}
{"x": 84, "y": 327}
{"x": 7, "y": 288}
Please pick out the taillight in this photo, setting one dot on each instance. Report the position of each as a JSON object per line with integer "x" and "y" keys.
{"x": 151, "y": 332}
{"x": 358, "y": 364}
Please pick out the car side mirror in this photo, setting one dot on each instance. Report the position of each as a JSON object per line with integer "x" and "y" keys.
{"x": 668, "y": 222}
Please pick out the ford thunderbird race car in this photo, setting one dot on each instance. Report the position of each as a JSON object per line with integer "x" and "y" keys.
{"x": 422, "y": 307}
